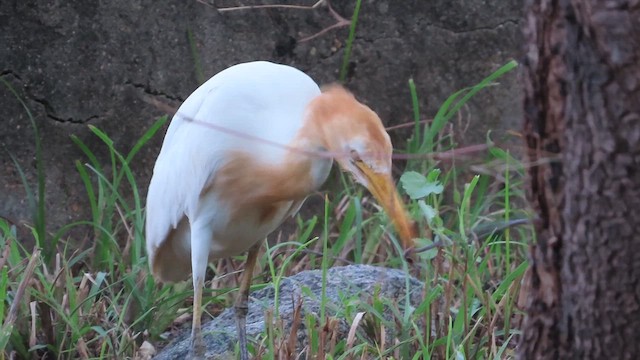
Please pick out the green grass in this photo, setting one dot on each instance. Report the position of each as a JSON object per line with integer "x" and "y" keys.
{"x": 350, "y": 39}
{"x": 68, "y": 301}
{"x": 99, "y": 302}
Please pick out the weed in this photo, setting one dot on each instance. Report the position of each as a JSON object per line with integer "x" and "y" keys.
{"x": 68, "y": 303}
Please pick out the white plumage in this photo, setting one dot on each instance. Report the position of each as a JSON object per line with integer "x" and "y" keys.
{"x": 258, "y": 99}
{"x": 241, "y": 154}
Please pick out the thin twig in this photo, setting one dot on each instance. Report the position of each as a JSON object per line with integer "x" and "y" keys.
{"x": 240, "y": 134}
{"x": 312, "y": 252}
{"x": 444, "y": 155}
{"x": 479, "y": 234}
{"x": 325, "y": 30}
{"x": 340, "y": 21}
{"x": 268, "y": 6}
{"x": 407, "y": 124}
{"x": 435, "y": 244}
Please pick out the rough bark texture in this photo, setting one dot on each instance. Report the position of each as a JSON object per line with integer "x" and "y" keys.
{"x": 582, "y": 126}
{"x": 109, "y": 63}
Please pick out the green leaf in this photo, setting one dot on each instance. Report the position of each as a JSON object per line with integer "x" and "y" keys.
{"x": 417, "y": 186}
{"x": 429, "y": 212}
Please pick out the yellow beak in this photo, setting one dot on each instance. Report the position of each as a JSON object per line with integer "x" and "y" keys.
{"x": 384, "y": 190}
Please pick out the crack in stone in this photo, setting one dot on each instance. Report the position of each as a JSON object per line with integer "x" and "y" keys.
{"x": 48, "y": 108}
{"x": 10, "y": 72}
{"x": 51, "y": 114}
{"x": 149, "y": 91}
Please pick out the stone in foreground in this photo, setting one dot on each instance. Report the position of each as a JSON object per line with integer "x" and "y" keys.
{"x": 348, "y": 282}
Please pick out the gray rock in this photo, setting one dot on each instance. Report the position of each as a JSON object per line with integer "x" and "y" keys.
{"x": 348, "y": 282}
{"x": 113, "y": 63}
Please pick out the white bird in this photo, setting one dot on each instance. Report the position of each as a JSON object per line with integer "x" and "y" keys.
{"x": 240, "y": 156}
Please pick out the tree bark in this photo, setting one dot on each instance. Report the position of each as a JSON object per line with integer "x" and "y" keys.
{"x": 582, "y": 128}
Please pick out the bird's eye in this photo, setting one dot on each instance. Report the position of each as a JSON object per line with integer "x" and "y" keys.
{"x": 355, "y": 157}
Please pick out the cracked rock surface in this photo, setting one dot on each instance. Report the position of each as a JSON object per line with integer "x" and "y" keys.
{"x": 119, "y": 65}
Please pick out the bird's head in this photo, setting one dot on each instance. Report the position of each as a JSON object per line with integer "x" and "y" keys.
{"x": 362, "y": 147}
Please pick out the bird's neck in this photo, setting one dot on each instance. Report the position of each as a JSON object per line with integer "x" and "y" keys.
{"x": 309, "y": 157}
{"x": 321, "y": 128}
{"x": 306, "y": 164}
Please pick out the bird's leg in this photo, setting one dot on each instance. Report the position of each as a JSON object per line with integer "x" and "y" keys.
{"x": 242, "y": 300}
{"x": 199, "y": 261}
{"x": 197, "y": 342}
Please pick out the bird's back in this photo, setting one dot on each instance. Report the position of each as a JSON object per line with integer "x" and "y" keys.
{"x": 252, "y": 100}
{"x": 246, "y": 108}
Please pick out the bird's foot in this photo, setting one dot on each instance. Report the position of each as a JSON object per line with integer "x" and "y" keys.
{"x": 197, "y": 348}
{"x": 244, "y": 352}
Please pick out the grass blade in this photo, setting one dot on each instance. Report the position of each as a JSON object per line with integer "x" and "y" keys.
{"x": 347, "y": 49}
{"x": 39, "y": 208}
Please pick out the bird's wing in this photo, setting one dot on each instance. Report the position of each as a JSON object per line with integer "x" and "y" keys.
{"x": 260, "y": 99}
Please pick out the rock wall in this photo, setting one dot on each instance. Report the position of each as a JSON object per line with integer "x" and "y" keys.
{"x": 121, "y": 64}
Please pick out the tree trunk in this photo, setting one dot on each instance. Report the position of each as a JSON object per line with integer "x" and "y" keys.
{"x": 582, "y": 128}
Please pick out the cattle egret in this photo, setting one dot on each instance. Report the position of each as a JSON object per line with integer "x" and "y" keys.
{"x": 240, "y": 156}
